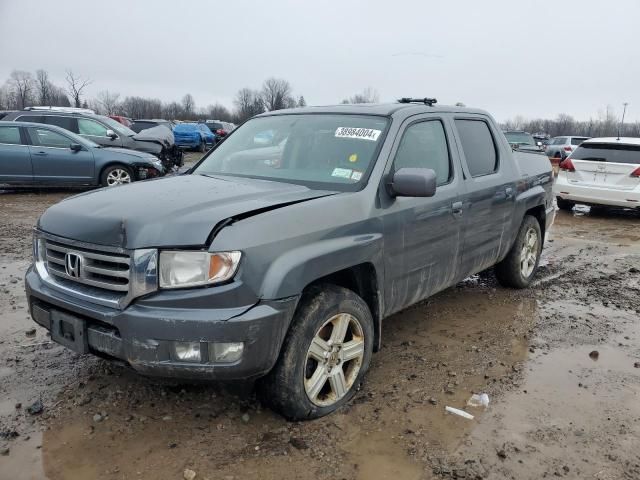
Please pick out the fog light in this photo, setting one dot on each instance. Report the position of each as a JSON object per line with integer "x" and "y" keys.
{"x": 187, "y": 351}
{"x": 225, "y": 352}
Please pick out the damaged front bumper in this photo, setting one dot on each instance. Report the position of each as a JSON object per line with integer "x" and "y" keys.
{"x": 145, "y": 335}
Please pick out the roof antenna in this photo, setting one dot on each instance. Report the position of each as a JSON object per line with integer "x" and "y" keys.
{"x": 622, "y": 121}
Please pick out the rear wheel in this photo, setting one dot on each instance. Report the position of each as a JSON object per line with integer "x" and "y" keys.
{"x": 325, "y": 355}
{"x": 203, "y": 146}
{"x": 564, "y": 204}
{"x": 519, "y": 266}
{"x": 115, "y": 175}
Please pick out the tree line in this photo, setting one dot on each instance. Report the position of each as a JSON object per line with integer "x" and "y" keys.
{"x": 606, "y": 124}
{"x": 24, "y": 89}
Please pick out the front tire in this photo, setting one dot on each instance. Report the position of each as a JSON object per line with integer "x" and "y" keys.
{"x": 324, "y": 357}
{"x": 115, "y": 175}
{"x": 519, "y": 266}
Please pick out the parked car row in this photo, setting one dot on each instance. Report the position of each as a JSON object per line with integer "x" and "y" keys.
{"x": 105, "y": 131}
{"x": 44, "y": 154}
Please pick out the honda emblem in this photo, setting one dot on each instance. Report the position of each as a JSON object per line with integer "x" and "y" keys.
{"x": 72, "y": 264}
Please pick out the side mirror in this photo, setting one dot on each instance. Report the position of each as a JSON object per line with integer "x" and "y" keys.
{"x": 412, "y": 182}
{"x": 111, "y": 134}
{"x": 76, "y": 147}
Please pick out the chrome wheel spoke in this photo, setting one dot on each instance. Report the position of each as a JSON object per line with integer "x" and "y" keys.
{"x": 353, "y": 349}
{"x": 319, "y": 349}
{"x": 315, "y": 384}
{"x": 340, "y": 327}
{"x": 338, "y": 383}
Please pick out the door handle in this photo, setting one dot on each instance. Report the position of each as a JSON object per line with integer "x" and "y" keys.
{"x": 41, "y": 154}
{"x": 456, "y": 209}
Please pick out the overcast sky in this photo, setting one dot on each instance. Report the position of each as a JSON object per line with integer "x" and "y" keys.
{"x": 533, "y": 58}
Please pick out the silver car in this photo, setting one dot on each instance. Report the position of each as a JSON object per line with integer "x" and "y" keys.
{"x": 561, "y": 147}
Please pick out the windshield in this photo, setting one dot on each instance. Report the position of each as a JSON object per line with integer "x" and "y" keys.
{"x": 118, "y": 127}
{"x": 605, "y": 152}
{"x": 520, "y": 138}
{"x": 317, "y": 150}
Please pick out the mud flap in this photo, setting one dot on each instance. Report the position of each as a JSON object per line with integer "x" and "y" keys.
{"x": 69, "y": 331}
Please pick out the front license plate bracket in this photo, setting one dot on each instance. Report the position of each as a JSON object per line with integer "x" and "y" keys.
{"x": 69, "y": 331}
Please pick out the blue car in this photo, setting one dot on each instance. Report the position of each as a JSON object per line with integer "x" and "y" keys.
{"x": 37, "y": 154}
{"x": 195, "y": 136}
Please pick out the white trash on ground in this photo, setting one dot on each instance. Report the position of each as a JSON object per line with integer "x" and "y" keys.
{"x": 460, "y": 413}
{"x": 479, "y": 400}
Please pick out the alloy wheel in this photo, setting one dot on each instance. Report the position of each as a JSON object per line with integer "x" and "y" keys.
{"x": 118, "y": 176}
{"x": 334, "y": 359}
{"x": 529, "y": 253}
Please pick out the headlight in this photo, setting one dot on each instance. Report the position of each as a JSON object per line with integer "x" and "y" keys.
{"x": 192, "y": 269}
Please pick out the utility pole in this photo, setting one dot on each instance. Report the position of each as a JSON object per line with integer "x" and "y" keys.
{"x": 624, "y": 110}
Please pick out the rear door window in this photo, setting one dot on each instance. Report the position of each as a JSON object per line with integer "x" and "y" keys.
{"x": 44, "y": 137}
{"x": 89, "y": 127}
{"x": 612, "y": 153}
{"x": 478, "y": 146}
{"x": 10, "y": 135}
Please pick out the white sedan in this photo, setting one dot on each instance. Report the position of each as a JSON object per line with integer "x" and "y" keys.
{"x": 601, "y": 171}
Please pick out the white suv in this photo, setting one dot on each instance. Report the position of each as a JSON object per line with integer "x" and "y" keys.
{"x": 601, "y": 171}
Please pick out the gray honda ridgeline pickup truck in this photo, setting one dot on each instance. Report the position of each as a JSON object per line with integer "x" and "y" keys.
{"x": 278, "y": 256}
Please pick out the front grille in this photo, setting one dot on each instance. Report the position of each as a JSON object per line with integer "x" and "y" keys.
{"x": 86, "y": 266}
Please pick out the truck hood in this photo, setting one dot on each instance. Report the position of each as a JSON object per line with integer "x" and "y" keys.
{"x": 171, "y": 212}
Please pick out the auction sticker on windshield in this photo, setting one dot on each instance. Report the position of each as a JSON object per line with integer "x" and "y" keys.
{"x": 359, "y": 133}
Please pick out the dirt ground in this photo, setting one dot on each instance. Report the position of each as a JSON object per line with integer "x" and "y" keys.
{"x": 560, "y": 363}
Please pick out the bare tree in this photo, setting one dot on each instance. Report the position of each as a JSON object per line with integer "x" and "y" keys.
{"x": 22, "y": 85}
{"x": 5, "y": 98}
{"x": 59, "y": 97}
{"x": 172, "y": 110}
{"x": 75, "y": 86}
{"x": 276, "y": 94}
{"x": 43, "y": 86}
{"x": 188, "y": 106}
{"x": 247, "y": 103}
{"x": 108, "y": 101}
{"x": 368, "y": 95}
{"x": 218, "y": 112}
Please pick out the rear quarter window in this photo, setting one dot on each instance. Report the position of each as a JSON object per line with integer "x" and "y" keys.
{"x": 68, "y": 123}
{"x": 478, "y": 146}
{"x": 559, "y": 141}
{"x": 577, "y": 140}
